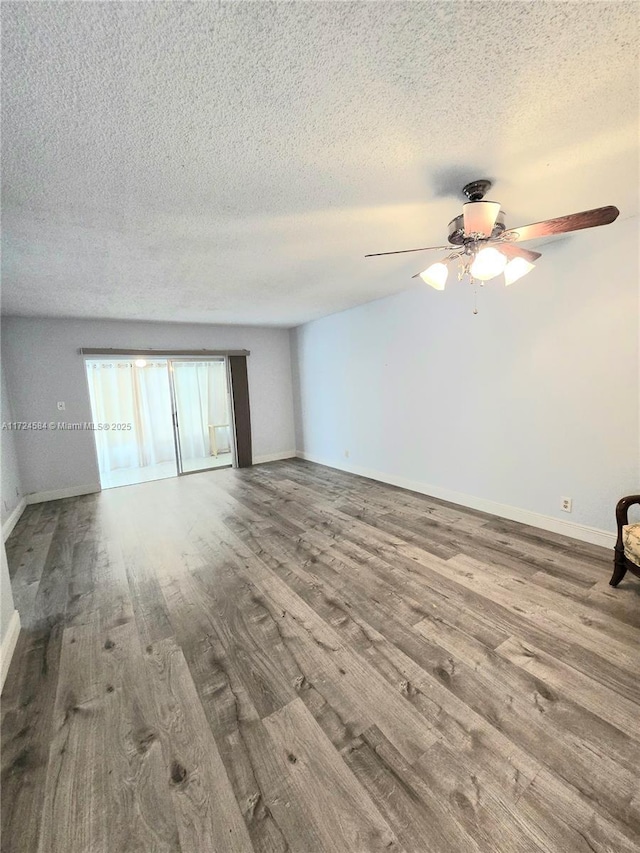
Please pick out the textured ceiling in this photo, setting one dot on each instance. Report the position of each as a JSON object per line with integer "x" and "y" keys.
{"x": 233, "y": 162}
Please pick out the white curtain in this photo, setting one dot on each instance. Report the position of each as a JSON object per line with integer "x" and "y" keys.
{"x": 201, "y": 402}
{"x": 123, "y": 393}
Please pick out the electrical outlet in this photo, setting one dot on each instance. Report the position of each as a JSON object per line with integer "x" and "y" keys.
{"x": 346, "y": 454}
{"x": 566, "y": 504}
{"x": 61, "y": 407}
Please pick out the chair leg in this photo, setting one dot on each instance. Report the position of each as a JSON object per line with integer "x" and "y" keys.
{"x": 619, "y": 568}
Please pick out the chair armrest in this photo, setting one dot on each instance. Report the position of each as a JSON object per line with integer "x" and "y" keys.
{"x": 622, "y": 516}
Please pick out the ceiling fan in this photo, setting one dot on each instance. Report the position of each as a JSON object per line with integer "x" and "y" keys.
{"x": 484, "y": 248}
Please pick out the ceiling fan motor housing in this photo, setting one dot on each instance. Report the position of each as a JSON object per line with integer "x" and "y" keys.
{"x": 456, "y": 229}
{"x": 477, "y": 190}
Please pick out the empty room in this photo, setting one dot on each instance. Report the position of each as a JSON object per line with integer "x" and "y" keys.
{"x": 320, "y": 485}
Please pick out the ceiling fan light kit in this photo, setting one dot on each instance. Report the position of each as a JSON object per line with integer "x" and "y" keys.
{"x": 487, "y": 264}
{"x": 515, "y": 269}
{"x": 436, "y": 275}
{"x": 479, "y": 218}
{"x": 482, "y": 247}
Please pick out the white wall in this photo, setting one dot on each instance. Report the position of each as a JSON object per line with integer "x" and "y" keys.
{"x": 9, "y": 618}
{"x": 533, "y": 398}
{"x": 11, "y": 496}
{"x": 10, "y": 486}
{"x": 43, "y": 367}
{"x": 10, "y": 499}
{"x": 6, "y": 609}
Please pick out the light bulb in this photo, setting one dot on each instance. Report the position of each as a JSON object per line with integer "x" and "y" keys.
{"x": 140, "y": 362}
{"x": 488, "y": 263}
{"x": 515, "y": 269}
{"x": 435, "y": 275}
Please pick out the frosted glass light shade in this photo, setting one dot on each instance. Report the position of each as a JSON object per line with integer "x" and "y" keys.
{"x": 435, "y": 275}
{"x": 480, "y": 217}
{"x": 515, "y": 269}
{"x": 488, "y": 263}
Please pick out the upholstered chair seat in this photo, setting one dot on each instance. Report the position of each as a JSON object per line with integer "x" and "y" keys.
{"x": 627, "y": 550}
{"x": 631, "y": 542}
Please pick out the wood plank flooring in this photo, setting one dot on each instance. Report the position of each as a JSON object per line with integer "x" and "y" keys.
{"x": 291, "y": 658}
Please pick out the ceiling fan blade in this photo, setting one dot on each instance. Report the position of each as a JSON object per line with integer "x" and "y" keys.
{"x": 512, "y": 251}
{"x": 563, "y": 224}
{"x": 480, "y": 217}
{"x": 405, "y": 251}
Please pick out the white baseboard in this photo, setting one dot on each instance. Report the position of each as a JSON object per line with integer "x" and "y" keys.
{"x": 8, "y": 645}
{"x": 274, "y": 457}
{"x": 11, "y": 522}
{"x": 584, "y": 533}
{"x": 56, "y": 494}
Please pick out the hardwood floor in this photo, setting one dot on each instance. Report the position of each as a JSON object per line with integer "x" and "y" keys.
{"x": 290, "y": 658}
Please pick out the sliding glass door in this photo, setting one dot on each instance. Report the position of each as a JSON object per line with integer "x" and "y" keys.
{"x": 131, "y": 401}
{"x": 204, "y": 432}
{"x": 160, "y": 417}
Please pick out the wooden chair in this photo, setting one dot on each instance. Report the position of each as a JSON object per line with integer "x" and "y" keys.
{"x": 627, "y": 551}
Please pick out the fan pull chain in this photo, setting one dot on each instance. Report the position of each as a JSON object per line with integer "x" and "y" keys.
{"x": 474, "y": 281}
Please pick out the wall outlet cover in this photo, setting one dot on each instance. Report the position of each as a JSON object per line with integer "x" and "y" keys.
{"x": 566, "y": 504}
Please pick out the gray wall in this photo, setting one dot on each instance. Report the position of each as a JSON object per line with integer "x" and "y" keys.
{"x": 43, "y": 367}
{"x": 532, "y": 399}
{"x": 11, "y": 486}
